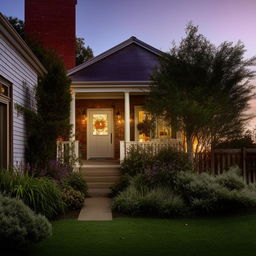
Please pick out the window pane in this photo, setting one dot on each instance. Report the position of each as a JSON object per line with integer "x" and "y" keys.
{"x": 100, "y": 124}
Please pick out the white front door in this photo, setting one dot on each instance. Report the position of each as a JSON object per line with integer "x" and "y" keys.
{"x": 100, "y": 133}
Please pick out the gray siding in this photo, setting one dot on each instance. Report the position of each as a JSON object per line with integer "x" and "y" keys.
{"x": 23, "y": 79}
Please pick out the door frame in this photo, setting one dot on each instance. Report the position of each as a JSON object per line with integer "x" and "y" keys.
{"x": 7, "y": 100}
{"x": 112, "y": 131}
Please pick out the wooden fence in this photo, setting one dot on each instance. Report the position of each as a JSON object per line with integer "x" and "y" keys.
{"x": 220, "y": 160}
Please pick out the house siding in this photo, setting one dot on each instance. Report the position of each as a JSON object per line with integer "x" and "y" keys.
{"x": 23, "y": 79}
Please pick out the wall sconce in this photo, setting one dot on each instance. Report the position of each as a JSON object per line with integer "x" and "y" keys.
{"x": 84, "y": 118}
{"x": 118, "y": 116}
{"x": 1, "y": 89}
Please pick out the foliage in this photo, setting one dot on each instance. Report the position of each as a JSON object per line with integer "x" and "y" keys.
{"x": 121, "y": 186}
{"x": 56, "y": 170}
{"x": 73, "y": 199}
{"x": 204, "y": 89}
{"x": 246, "y": 140}
{"x": 41, "y": 194}
{"x": 51, "y": 120}
{"x": 157, "y": 202}
{"x": 159, "y": 169}
{"x": 206, "y": 194}
{"x": 136, "y": 161}
{"x": 76, "y": 181}
{"x": 82, "y": 53}
{"x": 20, "y": 226}
{"x": 17, "y": 24}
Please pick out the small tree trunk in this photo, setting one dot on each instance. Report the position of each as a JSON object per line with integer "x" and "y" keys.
{"x": 190, "y": 148}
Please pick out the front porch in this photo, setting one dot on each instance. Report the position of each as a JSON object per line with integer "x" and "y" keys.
{"x": 105, "y": 125}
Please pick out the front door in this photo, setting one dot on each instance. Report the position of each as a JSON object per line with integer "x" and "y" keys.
{"x": 100, "y": 133}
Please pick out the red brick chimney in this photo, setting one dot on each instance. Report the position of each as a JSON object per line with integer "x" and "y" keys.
{"x": 53, "y": 23}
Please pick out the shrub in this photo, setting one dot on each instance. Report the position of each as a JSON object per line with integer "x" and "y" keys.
{"x": 76, "y": 181}
{"x": 175, "y": 160}
{"x": 207, "y": 194}
{"x": 56, "y": 170}
{"x": 137, "y": 160}
{"x": 73, "y": 199}
{"x": 20, "y": 225}
{"x": 231, "y": 179}
{"x": 41, "y": 194}
{"x": 157, "y": 202}
{"x": 121, "y": 186}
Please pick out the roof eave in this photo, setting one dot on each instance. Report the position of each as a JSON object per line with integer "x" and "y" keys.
{"x": 113, "y": 50}
{"x": 19, "y": 44}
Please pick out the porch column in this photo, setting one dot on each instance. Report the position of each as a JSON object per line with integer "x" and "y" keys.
{"x": 127, "y": 116}
{"x": 73, "y": 114}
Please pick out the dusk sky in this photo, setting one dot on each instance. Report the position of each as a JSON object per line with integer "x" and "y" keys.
{"x": 105, "y": 23}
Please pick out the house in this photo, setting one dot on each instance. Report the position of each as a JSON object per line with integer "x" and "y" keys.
{"x": 19, "y": 72}
{"x": 108, "y": 95}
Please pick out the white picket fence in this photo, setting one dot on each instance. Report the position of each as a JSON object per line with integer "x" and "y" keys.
{"x": 153, "y": 146}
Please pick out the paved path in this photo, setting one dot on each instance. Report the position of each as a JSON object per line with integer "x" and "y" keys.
{"x": 96, "y": 208}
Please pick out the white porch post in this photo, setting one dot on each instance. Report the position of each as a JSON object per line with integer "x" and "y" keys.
{"x": 73, "y": 114}
{"x": 127, "y": 116}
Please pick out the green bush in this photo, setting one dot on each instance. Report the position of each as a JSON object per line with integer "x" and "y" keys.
{"x": 41, "y": 194}
{"x": 77, "y": 182}
{"x": 143, "y": 201}
{"x": 121, "y": 186}
{"x": 20, "y": 226}
{"x": 206, "y": 194}
{"x": 73, "y": 199}
{"x": 137, "y": 160}
{"x": 231, "y": 179}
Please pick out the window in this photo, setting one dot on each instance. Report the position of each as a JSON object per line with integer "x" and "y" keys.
{"x": 5, "y": 99}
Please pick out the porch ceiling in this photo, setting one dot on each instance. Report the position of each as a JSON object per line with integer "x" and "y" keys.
{"x": 104, "y": 95}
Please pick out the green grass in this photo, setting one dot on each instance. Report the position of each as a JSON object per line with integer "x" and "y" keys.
{"x": 127, "y": 236}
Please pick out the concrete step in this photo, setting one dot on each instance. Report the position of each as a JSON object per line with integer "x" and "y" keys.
{"x": 102, "y": 178}
{"x": 103, "y": 185}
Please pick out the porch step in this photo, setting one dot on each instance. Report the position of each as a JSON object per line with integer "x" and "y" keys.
{"x": 109, "y": 178}
{"x": 101, "y": 177}
{"x": 103, "y": 185}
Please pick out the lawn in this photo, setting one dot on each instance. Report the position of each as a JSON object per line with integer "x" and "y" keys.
{"x": 234, "y": 235}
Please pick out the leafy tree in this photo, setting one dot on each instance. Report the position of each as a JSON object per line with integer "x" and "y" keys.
{"x": 82, "y": 53}
{"x": 17, "y": 24}
{"x": 202, "y": 89}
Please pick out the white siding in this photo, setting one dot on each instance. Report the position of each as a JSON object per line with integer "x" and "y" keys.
{"x": 23, "y": 78}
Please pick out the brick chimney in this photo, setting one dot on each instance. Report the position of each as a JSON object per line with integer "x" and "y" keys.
{"x": 53, "y": 23}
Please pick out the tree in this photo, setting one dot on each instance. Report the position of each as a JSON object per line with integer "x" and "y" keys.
{"x": 17, "y": 24}
{"x": 82, "y": 53}
{"x": 202, "y": 89}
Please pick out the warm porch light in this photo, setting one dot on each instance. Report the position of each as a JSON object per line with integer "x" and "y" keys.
{"x": 1, "y": 89}
{"x": 118, "y": 116}
{"x": 84, "y": 118}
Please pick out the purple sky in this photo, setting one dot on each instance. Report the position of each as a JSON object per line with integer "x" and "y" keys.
{"x": 105, "y": 23}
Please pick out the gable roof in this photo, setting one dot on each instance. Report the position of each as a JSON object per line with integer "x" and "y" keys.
{"x": 20, "y": 46}
{"x": 113, "y": 50}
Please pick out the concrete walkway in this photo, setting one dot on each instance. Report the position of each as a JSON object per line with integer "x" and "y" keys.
{"x": 96, "y": 208}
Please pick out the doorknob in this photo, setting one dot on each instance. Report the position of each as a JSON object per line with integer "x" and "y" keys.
{"x": 111, "y": 138}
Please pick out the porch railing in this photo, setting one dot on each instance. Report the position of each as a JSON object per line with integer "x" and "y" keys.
{"x": 68, "y": 151}
{"x": 153, "y": 146}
